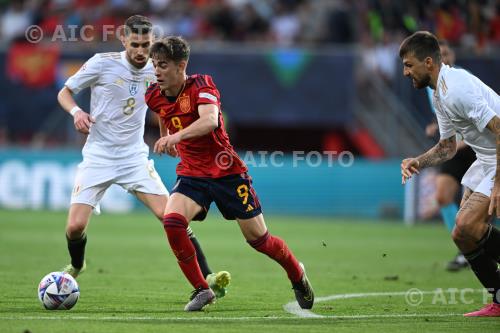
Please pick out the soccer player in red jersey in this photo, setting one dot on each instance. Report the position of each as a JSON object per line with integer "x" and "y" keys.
{"x": 209, "y": 171}
{"x": 115, "y": 152}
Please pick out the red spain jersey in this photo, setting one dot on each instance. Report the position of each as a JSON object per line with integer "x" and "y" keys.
{"x": 211, "y": 155}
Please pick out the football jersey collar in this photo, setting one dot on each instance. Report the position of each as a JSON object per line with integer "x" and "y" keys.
{"x": 442, "y": 70}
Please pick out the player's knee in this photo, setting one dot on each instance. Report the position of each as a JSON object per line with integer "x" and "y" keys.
{"x": 464, "y": 225}
{"x": 76, "y": 228}
{"x": 259, "y": 242}
{"x": 176, "y": 226}
{"x": 457, "y": 235}
{"x": 460, "y": 221}
{"x": 172, "y": 221}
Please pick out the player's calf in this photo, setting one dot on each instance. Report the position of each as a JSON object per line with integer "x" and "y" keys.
{"x": 275, "y": 248}
{"x": 76, "y": 249}
{"x": 175, "y": 226}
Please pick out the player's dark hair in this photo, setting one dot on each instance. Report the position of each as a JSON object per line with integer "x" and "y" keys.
{"x": 421, "y": 44}
{"x": 173, "y": 48}
{"x": 138, "y": 24}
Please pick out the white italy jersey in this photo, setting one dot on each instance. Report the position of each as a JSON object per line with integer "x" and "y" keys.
{"x": 117, "y": 104}
{"x": 465, "y": 105}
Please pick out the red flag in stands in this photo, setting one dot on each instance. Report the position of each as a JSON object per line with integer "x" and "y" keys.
{"x": 33, "y": 65}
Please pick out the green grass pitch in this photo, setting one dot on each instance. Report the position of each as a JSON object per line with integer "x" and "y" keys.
{"x": 133, "y": 283}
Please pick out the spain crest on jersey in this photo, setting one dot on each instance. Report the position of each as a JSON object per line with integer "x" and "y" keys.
{"x": 133, "y": 88}
{"x": 184, "y": 103}
{"x": 163, "y": 113}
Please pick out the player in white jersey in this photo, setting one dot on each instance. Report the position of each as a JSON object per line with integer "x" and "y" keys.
{"x": 450, "y": 173}
{"x": 115, "y": 152}
{"x": 468, "y": 107}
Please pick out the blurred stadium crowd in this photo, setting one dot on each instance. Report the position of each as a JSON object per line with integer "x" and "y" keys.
{"x": 472, "y": 24}
{"x": 353, "y": 43}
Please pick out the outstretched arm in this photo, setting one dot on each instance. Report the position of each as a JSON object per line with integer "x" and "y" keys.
{"x": 441, "y": 152}
{"x": 494, "y": 127}
{"x": 444, "y": 150}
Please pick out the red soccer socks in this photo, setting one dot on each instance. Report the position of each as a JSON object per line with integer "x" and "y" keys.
{"x": 175, "y": 226}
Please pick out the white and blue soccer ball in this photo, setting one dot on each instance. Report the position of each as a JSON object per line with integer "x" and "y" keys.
{"x": 58, "y": 291}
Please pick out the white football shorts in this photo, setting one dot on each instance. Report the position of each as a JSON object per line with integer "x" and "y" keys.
{"x": 480, "y": 178}
{"x": 92, "y": 181}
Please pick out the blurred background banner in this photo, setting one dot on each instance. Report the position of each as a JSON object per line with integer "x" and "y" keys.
{"x": 295, "y": 75}
{"x": 268, "y": 80}
{"x": 304, "y": 185}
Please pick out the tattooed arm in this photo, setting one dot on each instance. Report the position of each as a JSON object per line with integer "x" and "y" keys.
{"x": 494, "y": 127}
{"x": 443, "y": 151}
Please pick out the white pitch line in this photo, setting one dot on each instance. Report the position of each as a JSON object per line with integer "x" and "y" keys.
{"x": 221, "y": 319}
{"x": 166, "y": 319}
{"x": 292, "y": 308}
{"x": 295, "y": 309}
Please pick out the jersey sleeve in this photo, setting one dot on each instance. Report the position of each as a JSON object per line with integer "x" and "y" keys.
{"x": 472, "y": 105}
{"x": 87, "y": 75}
{"x": 207, "y": 92}
{"x": 446, "y": 129}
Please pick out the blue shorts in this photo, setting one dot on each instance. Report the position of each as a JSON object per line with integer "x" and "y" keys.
{"x": 234, "y": 195}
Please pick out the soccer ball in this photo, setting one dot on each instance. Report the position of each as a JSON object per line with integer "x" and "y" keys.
{"x": 58, "y": 291}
